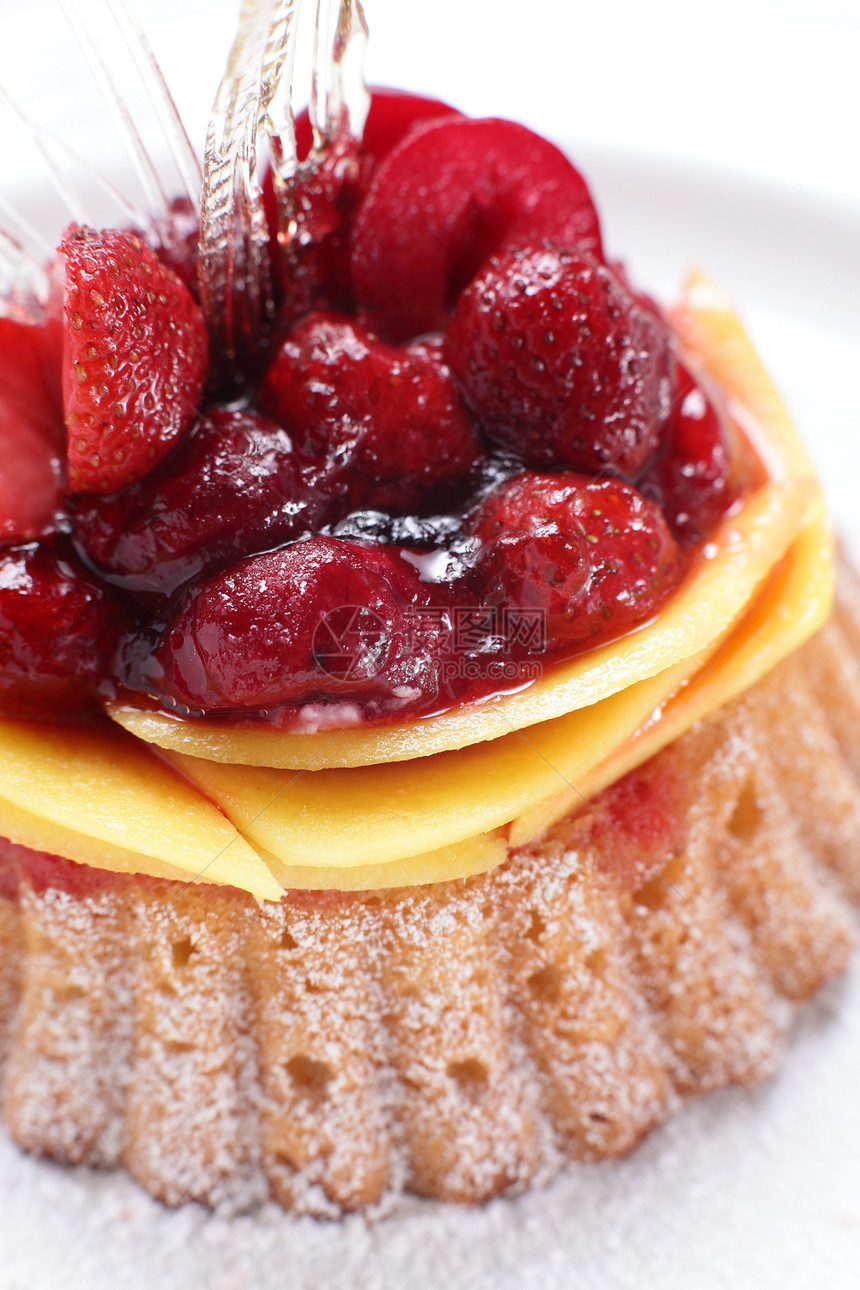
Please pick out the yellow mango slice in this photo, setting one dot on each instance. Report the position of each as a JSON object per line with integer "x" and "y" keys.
{"x": 796, "y": 602}
{"x": 371, "y": 815}
{"x": 105, "y": 799}
{"x": 708, "y": 327}
{"x": 712, "y": 595}
{"x": 462, "y": 860}
{"x": 94, "y": 794}
{"x": 39, "y": 834}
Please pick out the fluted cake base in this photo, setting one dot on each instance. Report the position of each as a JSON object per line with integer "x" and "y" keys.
{"x": 461, "y": 1040}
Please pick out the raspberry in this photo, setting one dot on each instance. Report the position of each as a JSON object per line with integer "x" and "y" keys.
{"x": 58, "y": 632}
{"x": 392, "y": 419}
{"x": 690, "y": 478}
{"x": 560, "y": 364}
{"x": 446, "y": 198}
{"x": 234, "y": 486}
{"x": 320, "y": 619}
{"x": 135, "y": 359}
{"x": 31, "y": 435}
{"x": 592, "y": 556}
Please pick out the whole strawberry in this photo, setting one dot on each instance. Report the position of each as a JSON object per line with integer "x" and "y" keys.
{"x": 390, "y": 418}
{"x": 135, "y": 359}
{"x": 235, "y": 485}
{"x": 315, "y": 620}
{"x": 58, "y": 631}
{"x": 560, "y": 363}
{"x": 592, "y": 557}
{"x": 690, "y": 480}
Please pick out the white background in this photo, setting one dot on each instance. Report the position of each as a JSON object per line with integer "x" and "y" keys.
{"x": 721, "y": 134}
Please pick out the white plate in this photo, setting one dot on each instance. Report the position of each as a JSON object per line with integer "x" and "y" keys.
{"x": 756, "y": 1190}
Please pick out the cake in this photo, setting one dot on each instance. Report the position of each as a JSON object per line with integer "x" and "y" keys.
{"x": 406, "y": 633}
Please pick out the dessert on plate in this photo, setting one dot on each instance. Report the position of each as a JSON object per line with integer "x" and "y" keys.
{"x": 428, "y": 690}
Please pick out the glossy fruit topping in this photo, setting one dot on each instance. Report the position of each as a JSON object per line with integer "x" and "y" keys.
{"x": 560, "y": 364}
{"x": 31, "y": 435}
{"x": 135, "y": 359}
{"x": 323, "y": 619}
{"x": 593, "y": 556}
{"x": 444, "y": 200}
{"x": 424, "y": 482}
{"x": 234, "y": 486}
{"x": 690, "y": 479}
{"x": 58, "y": 631}
{"x": 390, "y": 419}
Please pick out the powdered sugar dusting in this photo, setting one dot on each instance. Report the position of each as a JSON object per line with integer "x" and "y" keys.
{"x": 736, "y": 1189}
{"x": 460, "y": 1040}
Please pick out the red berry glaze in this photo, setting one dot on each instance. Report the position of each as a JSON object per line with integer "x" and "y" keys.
{"x": 320, "y": 619}
{"x": 347, "y": 546}
{"x": 31, "y": 435}
{"x": 391, "y": 419}
{"x": 234, "y": 486}
{"x": 135, "y": 359}
{"x": 638, "y": 821}
{"x": 444, "y": 200}
{"x": 594, "y": 556}
{"x": 58, "y": 632}
{"x": 690, "y": 480}
{"x": 560, "y": 364}
{"x": 314, "y": 260}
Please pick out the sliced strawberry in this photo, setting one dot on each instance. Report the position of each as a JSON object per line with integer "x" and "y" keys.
{"x": 31, "y": 435}
{"x": 593, "y": 557}
{"x": 135, "y": 359}
{"x": 450, "y": 195}
{"x": 313, "y": 268}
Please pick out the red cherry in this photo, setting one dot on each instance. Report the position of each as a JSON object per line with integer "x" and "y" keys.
{"x": 234, "y": 486}
{"x": 690, "y": 479}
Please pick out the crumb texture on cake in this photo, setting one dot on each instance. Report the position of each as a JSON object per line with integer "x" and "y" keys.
{"x": 457, "y": 1041}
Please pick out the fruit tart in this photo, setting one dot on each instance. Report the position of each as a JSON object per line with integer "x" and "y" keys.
{"x": 428, "y": 727}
